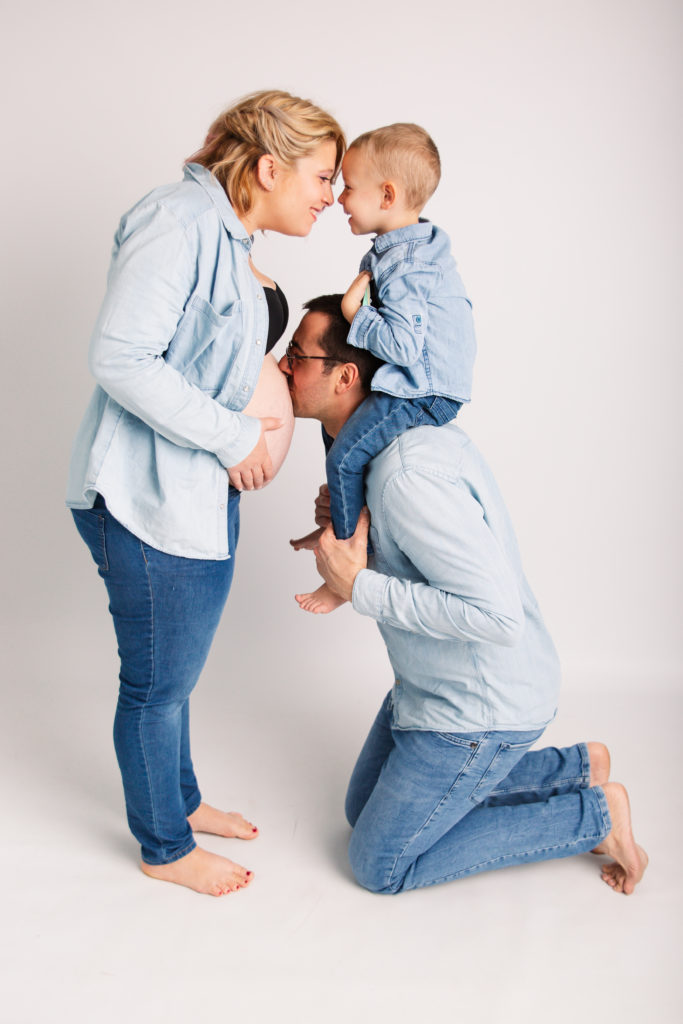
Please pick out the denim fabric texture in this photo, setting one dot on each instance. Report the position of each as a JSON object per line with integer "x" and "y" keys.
{"x": 165, "y": 610}
{"x": 463, "y": 630}
{"x": 374, "y": 424}
{"x": 423, "y": 327}
{"x": 176, "y": 352}
{"x": 429, "y": 807}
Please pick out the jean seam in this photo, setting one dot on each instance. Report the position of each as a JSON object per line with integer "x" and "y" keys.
{"x": 144, "y": 708}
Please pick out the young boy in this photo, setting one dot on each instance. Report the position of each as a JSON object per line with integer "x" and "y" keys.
{"x": 419, "y": 322}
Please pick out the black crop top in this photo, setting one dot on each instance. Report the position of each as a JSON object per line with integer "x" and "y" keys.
{"x": 278, "y": 315}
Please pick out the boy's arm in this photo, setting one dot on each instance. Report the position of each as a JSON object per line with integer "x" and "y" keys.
{"x": 396, "y": 331}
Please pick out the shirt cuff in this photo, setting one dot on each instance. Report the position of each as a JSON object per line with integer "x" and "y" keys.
{"x": 246, "y": 440}
{"x": 368, "y": 592}
{"x": 360, "y": 325}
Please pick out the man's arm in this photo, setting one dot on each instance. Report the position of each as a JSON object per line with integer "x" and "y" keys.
{"x": 467, "y": 590}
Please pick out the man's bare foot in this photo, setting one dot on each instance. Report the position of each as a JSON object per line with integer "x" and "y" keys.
{"x": 309, "y": 542}
{"x": 630, "y": 860}
{"x": 202, "y": 871}
{"x": 221, "y": 823}
{"x": 600, "y": 763}
{"x": 321, "y": 601}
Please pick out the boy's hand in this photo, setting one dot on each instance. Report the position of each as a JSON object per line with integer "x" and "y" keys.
{"x": 340, "y": 561}
{"x": 354, "y": 296}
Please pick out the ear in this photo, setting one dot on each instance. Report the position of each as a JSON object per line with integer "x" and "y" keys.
{"x": 266, "y": 171}
{"x": 348, "y": 377}
{"x": 388, "y": 195}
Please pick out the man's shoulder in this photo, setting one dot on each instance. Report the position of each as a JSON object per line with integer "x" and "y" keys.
{"x": 427, "y": 449}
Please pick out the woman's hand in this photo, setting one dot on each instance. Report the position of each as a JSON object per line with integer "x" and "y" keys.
{"x": 350, "y": 304}
{"x": 256, "y": 469}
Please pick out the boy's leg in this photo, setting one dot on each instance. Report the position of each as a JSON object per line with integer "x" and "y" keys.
{"x": 375, "y": 423}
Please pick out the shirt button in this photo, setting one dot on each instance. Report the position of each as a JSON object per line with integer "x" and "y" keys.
{"x": 259, "y": 298}
{"x": 245, "y": 387}
{"x": 258, "y": 341}
{"x": 221, "y": 506}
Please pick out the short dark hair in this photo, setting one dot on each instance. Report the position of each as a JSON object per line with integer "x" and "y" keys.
{"x": 333, "y": 342}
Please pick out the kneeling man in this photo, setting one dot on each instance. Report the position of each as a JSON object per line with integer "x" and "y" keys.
{"x": 446, "y": 784}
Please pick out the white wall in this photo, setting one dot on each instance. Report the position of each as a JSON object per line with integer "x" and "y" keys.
{"x": 559, "y": 131}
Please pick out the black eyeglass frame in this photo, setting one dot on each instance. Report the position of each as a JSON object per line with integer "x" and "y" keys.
{"x": 291, "y": 356}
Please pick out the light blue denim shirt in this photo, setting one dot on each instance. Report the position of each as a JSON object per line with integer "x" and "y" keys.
{"x": 423, "y": 327}
{"x": 176, "y": 352}
{"x": 464, "y": 634}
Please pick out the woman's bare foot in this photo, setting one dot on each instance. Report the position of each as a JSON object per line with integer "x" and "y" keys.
{"x": 221, "y": 823}
{"x": 321, "y": 601}
{"x": 600, "y": 763}
{"x": 630, "y": 860}
{"x": 309, "y": 542}
{"x": 202, "y": 871}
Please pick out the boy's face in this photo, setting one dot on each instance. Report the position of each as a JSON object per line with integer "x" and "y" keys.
{"x": 362, "y": 195}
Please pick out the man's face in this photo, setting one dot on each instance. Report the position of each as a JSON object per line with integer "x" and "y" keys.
{"x": 312, "y": 390}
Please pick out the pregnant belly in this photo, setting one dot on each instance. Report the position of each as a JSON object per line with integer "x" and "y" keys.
{"x": 271, "y": 398}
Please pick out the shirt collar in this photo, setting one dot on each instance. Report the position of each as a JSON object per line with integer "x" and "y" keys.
{"x": 217, "y": 195}
{"x": 412, "y": 233}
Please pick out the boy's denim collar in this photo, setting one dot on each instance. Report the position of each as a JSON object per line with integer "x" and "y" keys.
{"x": 412, "y": 233}
{"x": 217, "y": 195}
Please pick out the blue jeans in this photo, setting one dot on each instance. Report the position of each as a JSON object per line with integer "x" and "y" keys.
{"x": 165, "y": 610}
{"x": 429, "y": 807}
{"x": 376, "y": 422}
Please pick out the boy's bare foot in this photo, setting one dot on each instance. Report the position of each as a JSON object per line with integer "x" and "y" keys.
{"x": 321, "y": 601}
{"x": 600, "y": 763}
{"x": 630, "y": 860}
{"x": 221, "y": 823}
{"x": 309, "y": 542}
{"x": 202, "y": 871}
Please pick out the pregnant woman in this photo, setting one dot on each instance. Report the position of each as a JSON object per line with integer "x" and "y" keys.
{"x": 168, "y": 442}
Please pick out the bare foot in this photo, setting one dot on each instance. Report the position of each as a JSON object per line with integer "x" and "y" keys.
{"x": 202, "y": 871}
{"x": 309, "y": 542}
{"x": 221, "y": 823}
{"x": 630, "y": 860}
{"x": 600, "y": 763}
{"x": 320, "y": 602}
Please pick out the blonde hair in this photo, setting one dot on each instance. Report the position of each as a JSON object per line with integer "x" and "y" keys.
{"x": 272, "y": 122}
{"x": 404, "y": 153}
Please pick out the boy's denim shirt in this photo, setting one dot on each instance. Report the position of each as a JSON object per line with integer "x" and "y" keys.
{"x": 423, "y": 329}
{"x": 176, "y": 352}
{"x": 463, "y": 630}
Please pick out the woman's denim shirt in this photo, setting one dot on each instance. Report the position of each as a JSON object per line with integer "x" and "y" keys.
{"x": 423, "y": 329}
{"x": 463, "y": 630}
{"x": 176, "y": 352}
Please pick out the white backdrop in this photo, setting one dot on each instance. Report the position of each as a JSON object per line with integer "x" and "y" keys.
{"x": 559, "y": 131}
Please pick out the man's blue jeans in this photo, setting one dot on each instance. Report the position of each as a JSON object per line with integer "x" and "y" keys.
{"x": 429, "y": 807}
{"x": 165, "y": 610}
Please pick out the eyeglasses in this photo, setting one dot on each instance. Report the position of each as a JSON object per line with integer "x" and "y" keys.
{"x": 291, "y": 356}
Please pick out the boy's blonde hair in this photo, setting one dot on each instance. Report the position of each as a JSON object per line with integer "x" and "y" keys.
{"x": 272, "y": 122}
{"x": 404, "y": 153}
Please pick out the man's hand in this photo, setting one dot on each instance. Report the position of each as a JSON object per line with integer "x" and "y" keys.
{"x": 340, "y": 561}
{"x": 350, "y": 304}
{"x": 322, "y": 507}
{"x": 256, "y": 469}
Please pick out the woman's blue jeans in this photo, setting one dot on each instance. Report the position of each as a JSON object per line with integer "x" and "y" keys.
{"x": 165, "y": 610}
{"x": 429, "y": 807}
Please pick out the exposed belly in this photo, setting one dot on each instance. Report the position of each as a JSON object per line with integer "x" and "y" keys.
{"x": 271, "y": 398}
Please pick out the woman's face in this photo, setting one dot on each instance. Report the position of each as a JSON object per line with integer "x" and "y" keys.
{"x": 300, "y": 194}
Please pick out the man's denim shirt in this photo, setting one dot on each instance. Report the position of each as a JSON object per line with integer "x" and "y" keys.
{"x": 176, "y": 353}
{"x": 423, "y": 328}
{"x": 464, "y": 634}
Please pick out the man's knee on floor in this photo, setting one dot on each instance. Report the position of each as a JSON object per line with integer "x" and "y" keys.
{"x": 370, "y": 872}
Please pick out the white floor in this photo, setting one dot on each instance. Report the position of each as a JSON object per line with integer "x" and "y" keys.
{"x": 88, "y": 938}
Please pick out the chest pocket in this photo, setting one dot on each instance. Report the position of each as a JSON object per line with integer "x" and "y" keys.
{"x": 206, "y": 345}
